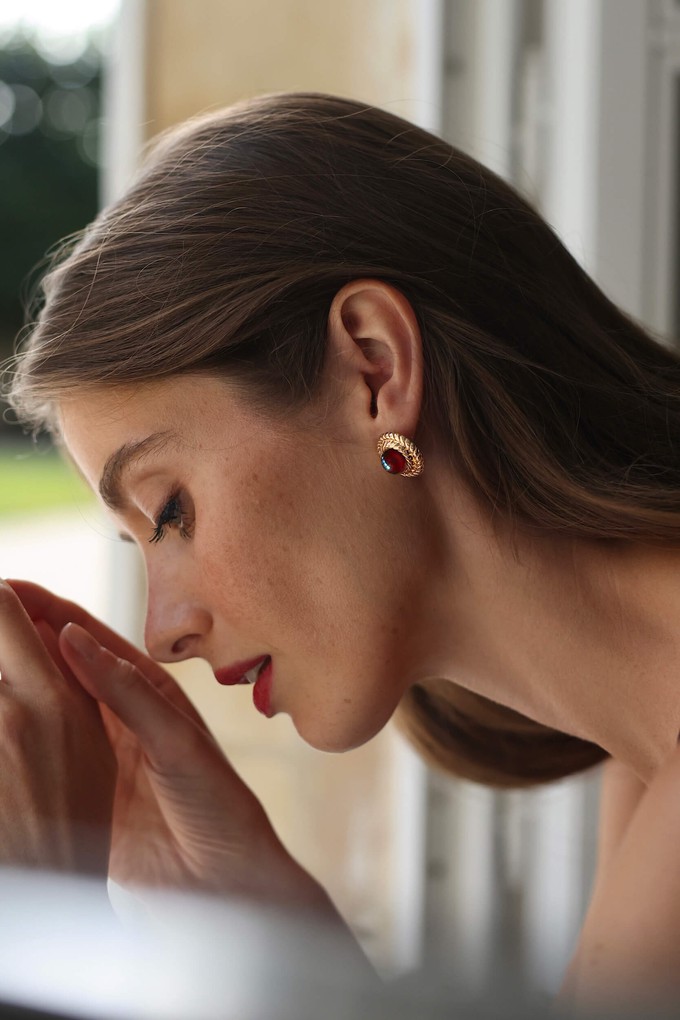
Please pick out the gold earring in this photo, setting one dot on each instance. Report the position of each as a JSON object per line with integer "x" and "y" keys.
{"x": 399, "y": 455}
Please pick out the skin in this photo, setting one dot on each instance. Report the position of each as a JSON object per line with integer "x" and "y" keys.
{"x": 269, "y": 566}
{"x": 56, "y": 800}
{"x": 627, "y": 955}
{"x": 357, "y": 584}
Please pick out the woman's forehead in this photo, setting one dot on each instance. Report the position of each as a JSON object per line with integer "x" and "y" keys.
{"x": 95, "y": 421}
{"x": 196, "y": 411}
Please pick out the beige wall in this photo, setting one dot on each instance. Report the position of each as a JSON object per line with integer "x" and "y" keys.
{"x": 202, "y": 53}
{"x": 339, "y": 815}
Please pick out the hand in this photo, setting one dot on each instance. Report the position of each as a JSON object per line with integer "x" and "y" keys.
{"x": 182, "y": 816}
{"x": 629, "y": 948}
{"x": 57, "y": 772}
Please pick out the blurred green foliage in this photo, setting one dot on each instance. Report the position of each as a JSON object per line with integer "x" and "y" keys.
{"x": 49, "y": 120}
{"x": 33, "y": 481}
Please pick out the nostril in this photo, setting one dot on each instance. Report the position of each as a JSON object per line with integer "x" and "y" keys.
{"x": 182, "y": 648}
{"x": 175, "y": 632}
{"x": 167, "y": 650}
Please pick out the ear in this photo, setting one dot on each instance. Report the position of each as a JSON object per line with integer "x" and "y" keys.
{"x": 375, "y": 353}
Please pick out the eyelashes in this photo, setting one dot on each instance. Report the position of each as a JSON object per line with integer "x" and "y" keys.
{"x": 173, "y": 514}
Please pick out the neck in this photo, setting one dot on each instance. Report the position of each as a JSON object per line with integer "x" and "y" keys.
{"x": 583, "y": 636}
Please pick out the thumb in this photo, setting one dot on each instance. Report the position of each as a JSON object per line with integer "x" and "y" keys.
{"x": 169, "y": 738}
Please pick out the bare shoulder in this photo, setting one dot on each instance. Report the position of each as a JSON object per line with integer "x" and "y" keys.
{"x": 630, "y": 943}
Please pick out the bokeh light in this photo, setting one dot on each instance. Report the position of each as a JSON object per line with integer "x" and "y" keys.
{"x": 58, "y": 20}
{"x": 51, "y": 64}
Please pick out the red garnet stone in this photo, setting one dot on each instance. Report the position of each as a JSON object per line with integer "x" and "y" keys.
{"x": 393, "y": 461}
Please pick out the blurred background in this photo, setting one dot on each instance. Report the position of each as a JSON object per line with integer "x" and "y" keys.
{"x": 573, "y": 101}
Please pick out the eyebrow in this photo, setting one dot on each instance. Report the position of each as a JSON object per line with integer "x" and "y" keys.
{"x": 111, "y": 481}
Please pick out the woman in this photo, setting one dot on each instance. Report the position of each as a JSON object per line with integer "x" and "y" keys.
{"x": 384, "y": 446}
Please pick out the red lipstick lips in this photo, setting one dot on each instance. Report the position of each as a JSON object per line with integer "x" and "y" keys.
{"x": 235, "y": 674}
{"x": 262, "y": 689}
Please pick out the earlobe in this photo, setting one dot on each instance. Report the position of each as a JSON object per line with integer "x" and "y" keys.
{"x": 375, "y": 343}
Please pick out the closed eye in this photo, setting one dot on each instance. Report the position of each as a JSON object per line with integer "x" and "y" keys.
{"x": 172, "y": 514}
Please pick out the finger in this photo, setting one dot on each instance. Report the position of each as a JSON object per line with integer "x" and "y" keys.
{"x": 51, "y": 643}
{"x": 43, "y": 604}
{"x": 166, "y": 734}
{"x": 111, "y": 723}
{"x": 24, "y": 660}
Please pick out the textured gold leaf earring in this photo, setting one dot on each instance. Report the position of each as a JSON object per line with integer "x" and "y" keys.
{"x": 400, "y": 455}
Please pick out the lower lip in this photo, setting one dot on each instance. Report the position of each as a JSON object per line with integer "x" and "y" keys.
{"x": 262, "y": 691}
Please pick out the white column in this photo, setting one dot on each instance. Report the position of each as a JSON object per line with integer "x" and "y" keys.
{"x": 572, "y": 41}
{"x": 124, "y": 99}
{"x": 429, "y": 64}
{"x": 123, "y": 137}
{"x": 409, "y": 807}
{"x": 493, "y": 67}
{"x": 622, "y": 152}
{"x": 556, "y": 882}
{"x": 662, "y": 251}
{"x": 594, "y": 193}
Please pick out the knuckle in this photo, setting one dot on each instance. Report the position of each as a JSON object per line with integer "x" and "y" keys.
{"x": 126, "y": 673}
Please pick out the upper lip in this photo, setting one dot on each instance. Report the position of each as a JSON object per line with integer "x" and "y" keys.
{"x": 234, "y": 674}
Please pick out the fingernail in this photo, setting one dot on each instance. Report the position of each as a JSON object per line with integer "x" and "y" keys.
{"x": 81, "y": 642}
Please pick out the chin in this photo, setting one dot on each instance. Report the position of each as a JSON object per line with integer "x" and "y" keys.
{"x": 345, "y": 736}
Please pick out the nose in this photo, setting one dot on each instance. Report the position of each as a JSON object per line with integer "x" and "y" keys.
{"x": 176, "y": 627}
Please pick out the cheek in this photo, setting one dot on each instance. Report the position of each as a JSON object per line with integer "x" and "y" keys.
{"x": 252, "y": 538}
{"x": 246, "y": 555}
{"x": 300, "y": 555}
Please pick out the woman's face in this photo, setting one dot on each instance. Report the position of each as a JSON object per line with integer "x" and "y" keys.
{"x": 263, "y": 539}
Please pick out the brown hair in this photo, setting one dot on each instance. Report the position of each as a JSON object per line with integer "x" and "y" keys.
{"x": 225, "y": 255}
